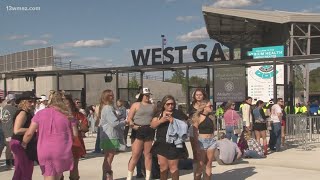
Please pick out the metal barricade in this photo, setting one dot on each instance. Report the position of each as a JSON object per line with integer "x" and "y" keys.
{"x": 314, "y": 129}
{"x": 302, "y": 130}
{"x": 296, "y": 130}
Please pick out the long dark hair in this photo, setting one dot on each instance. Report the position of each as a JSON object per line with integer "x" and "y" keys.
{"x": 104, "y": 100}
{"x": 259, "y": 102}
{"x": 163, "y": 102}
{"x": 72, "y": 105}
{"x": 194, "y": 95}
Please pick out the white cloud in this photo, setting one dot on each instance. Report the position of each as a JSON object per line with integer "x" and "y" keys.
{"x": 315, "y": 9}
{"x": 197, "y": 35}
{"x": 106, "y": 42}
{"x": 234, "y": 3}
{"x": 35, "y": 42}
{"x": 15, "y": 37}
{"x": 186, "y": 18}
{"x": 46, "y": 36}
{"x": 95, "y": 62}
{"x": 63, "y": 54}
{"x": 151, "y": 47}
{"x": 169, "y": 1}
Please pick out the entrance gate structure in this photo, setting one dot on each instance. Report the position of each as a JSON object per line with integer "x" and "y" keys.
{"x": 298, "y": 32}
{"x": 234, "y": 29}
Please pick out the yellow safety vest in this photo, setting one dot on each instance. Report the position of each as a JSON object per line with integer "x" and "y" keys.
{"x": 303, "y": 109}
{"x": 219, "y": 111}
{"x": 287, "y": 109}
{"x": 265, "y": 109}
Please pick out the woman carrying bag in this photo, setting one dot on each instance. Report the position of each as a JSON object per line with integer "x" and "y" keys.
{"x": 260, "y": 125}
{"x": 232, "y": 120}
{"x": 23, "y": 158}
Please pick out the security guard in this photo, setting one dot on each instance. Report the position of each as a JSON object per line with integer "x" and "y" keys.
{"x": 219, "y": 113}
{"x": 297, "y": 108}
{"x": 303, "y": 109}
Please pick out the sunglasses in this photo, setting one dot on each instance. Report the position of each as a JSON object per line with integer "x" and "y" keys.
{"x": 78, "y": 102}
{"x": 210, "y": 106}
{"x": 168, "y": 104}
{"x": 233, "y": 104}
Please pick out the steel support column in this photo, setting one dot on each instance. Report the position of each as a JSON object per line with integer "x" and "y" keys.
{"x": 5, "y": 90}
{"x": 34, "y": 84}
{"x": 141, "y": 79}
{"x": 58, "y": 82}
{"x": 117, "y": 85}
{"x": 214, "y": 102}
{"x": 208, "y": 82}
{"x": 84, "y": 103}
{"x": 307, "y": 70}
{"x": 188, "y": 89}
{"x": 274, "y": 80}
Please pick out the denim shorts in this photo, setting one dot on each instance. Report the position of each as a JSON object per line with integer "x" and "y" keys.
{"x": 207, "y": 143}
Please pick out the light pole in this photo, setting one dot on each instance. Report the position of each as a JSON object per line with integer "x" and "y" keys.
{"x": 70, "y": 62}
{"x": 163, "y": 42}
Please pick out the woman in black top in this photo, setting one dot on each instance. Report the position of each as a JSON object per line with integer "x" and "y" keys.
{"x": 197, "y": 96}
{"x": 203, "y": 121}
{"x": 260, "y": 124}
{"x": 23, "y": 162}
{"x": 168, "y": 154}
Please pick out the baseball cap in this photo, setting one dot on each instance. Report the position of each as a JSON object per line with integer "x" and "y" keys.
{"x": 10, "y": 97}
{"x": 146, "y": 91}
{"x": 43, "y": 98}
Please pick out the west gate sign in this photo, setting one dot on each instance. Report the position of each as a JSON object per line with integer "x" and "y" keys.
{"x": 199, "y": 54}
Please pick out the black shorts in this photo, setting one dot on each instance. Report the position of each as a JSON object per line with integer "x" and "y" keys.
{"x": 169, "y": 151}
{"x": 144, "y": 133}
{"x": 260, "y": 126}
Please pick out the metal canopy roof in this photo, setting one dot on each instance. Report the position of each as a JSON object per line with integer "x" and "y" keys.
{"x": 280, "y": 17}
{"x": 168, "y": 67}
{"x": 255, "y": 28}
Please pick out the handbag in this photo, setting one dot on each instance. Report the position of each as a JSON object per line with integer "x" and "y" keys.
{"x": 236, "y": 129}
{"x": 31, "y": 149}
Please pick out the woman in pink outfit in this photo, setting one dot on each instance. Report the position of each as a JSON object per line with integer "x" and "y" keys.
{"x": 232, "y": 120}
{"x": 56, "y": 128}
{"x": 23, "y": 167}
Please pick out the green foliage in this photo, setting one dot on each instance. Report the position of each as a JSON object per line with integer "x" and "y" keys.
{"x": 314, "y": 80}
{"x": 196, "y": 81}
{"x": 179, "y": 77}
{"x": 133, "y": 83}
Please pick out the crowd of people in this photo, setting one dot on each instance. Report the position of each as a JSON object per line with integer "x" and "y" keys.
{"x": 50, "y": 131}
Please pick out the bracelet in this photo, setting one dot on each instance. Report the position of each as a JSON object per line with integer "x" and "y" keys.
{"x": 23, "y": 144}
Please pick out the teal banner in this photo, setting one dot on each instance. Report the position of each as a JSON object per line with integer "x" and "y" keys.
{"x": 267, "y": 52}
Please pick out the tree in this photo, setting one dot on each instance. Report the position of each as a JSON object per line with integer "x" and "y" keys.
{"x": 196, "y": 81}
{"x": 314, "y": 80}
{"x": 178, "y": 77}
{"x": 133, "y": 83}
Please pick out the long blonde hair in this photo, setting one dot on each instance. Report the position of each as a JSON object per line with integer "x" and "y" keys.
{"x": 104, "y": 100}
{"x": 196, "y": 115}
{"x": 56, "y": 100}
{"x": 23, "y": 104}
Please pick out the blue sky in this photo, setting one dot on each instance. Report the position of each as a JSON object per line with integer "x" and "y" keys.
{"x": 102, "y": 32}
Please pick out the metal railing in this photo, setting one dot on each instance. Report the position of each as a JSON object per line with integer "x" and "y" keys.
{"x": 302, "y": 130}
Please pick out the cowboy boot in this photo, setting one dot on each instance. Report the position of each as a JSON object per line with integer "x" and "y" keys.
{"x": 74, "y": 178}
{"x": 164, "y": 175}
{"x": 207, "y": 177}
{"x": 175, "y": 175}
{"x": 197, "y": 177}
{"x": 265, "y": 148}
{"x": 109, "y": 175}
